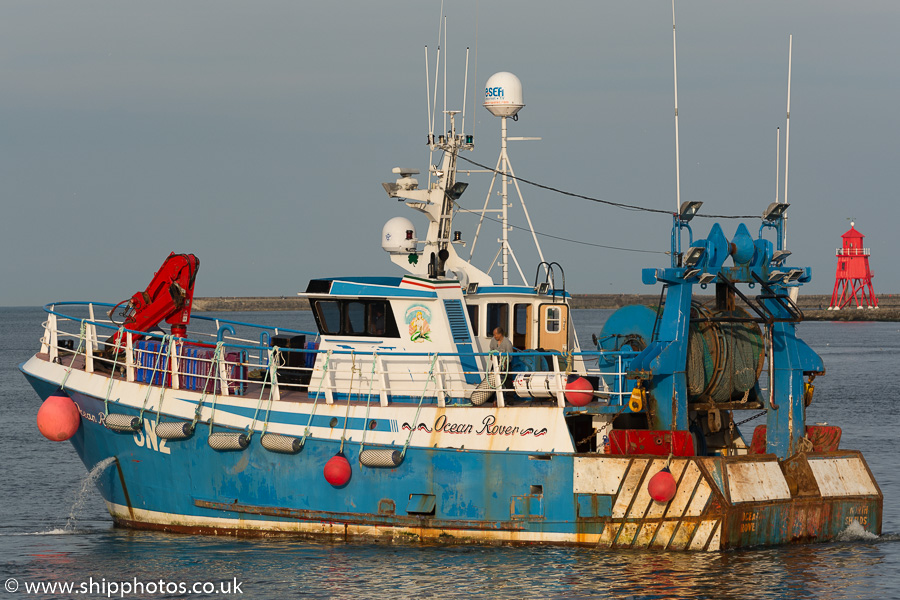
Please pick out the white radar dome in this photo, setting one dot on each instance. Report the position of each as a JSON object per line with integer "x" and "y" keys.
{"x": 399, "y": 236}
{"x": 503, "y": 94}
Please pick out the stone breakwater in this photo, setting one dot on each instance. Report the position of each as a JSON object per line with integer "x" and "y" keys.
{"x": 813, "y": 306}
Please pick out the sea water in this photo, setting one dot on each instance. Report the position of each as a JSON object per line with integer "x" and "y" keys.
{"x": 55, "y": 528}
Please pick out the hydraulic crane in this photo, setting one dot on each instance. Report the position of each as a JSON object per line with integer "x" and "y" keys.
{"x": 168, "y": 296}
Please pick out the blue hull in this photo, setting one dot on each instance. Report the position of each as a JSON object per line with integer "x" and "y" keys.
{"x": 187, "y": 478}
{"x": 449, "y": 495}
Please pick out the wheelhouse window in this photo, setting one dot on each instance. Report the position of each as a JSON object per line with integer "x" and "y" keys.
{"x": 328, "y": 316}
{"x": 520, "y": 325}
{"x": 368, "y": 318}
{"x": 355, "y": 318}
{"x": 473, "y": 317}
{"x": 552, "y": 324}
{"x": 497, "y": 316}
{"x": 378, "y": 318}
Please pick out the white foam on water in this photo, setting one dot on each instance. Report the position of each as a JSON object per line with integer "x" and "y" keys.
{"x": 87, "y": 484}
{"x": 856, "y": 533}
{"x": 56, "y": 531}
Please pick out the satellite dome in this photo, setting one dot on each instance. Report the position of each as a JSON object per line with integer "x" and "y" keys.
{"x": 399, "y": 236}
{"x": 503, "y": 94}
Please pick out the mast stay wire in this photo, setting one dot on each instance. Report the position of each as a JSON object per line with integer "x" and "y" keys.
{"x": 462, "y": 209}
{"x": 621, "y": 205}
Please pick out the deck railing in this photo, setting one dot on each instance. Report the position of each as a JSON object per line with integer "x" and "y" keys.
{"x": 228, "y": 361}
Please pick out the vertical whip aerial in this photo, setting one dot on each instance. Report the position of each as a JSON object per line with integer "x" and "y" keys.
{"x": 677, "y": 165}
{"x": 777, "y": 161}
{"x": 787, "y": 139}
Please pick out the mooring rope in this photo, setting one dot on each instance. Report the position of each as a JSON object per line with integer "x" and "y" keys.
{"x": 214, "y": 366}
{"x": 162, "y": 384}
{"x": 415, "y": 423}
{"x": 274, "y": 359}
{"x": 262, "y": 389}
{"x": 349, "y": 396}
{"x": 112, "y": 375}
{"x": 316, "y": 400}
{"x": 65, "y": 378}
{"x": 368, "y": 402}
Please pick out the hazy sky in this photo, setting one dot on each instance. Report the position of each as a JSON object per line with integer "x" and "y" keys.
{"x": 256, "y": 134}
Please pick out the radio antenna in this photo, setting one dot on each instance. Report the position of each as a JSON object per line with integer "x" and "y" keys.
{"x": 777, "y": 161}
{"x": 787, "y": 138}
{"x": 465, "y": 90}
{"x": 445, "y": 76}
{"x": 677, "y": 165}
{"x": 475, "y": 69}
{"x": 428, "y": 97}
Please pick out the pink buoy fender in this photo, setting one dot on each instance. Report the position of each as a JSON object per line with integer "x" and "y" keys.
{"x": 662, "y": 486}
{"x": 337, "y": 470}
{"x": 58, "y": 418}
{"x": 579, "y": 391}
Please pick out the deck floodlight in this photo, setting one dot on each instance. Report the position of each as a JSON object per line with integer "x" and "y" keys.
{"x": 779, "y": 257}
{"x": 457, "y": 190}
{"x": 708, "y": 277}
{"x": 688, "y": 273}
{"x": 693, "y": 256}
{"x": 471, "y": 288}
{"x": 543, "y": 289}
{"x": 776, "y": 275}
{"x": 793, "y": 275}
{"x": 392, "y": 189}
{"x": 775, "y": 211}
{"x": 687, "y": 210}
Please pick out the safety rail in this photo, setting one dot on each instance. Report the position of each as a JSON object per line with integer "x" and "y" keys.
{"x": 235, "y": 366}
{"x": 853, "y": 252}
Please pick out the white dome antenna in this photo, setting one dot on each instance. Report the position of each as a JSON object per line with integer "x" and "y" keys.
{"x": 399, "y": 236}
{"x": 503, "y": 95}
{"x": 503, "y": 98}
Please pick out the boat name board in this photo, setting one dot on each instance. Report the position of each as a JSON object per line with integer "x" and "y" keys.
{"x": 488, "y": 426}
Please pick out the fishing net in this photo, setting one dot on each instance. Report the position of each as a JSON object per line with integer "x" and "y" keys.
{"x": 724, "y": 358}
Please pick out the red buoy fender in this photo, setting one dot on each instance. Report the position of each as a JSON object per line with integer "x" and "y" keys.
{"x": 58, "y": 418}
{"x": 579, "y": 391}
{"x": 662, "y": 486}
{"x": 337, "y": 470}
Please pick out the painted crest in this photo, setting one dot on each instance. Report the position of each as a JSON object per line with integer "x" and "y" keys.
{"x": 419, "y": 320}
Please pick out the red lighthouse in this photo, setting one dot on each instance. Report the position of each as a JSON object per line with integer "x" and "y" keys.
{"x": 853, "y": 279}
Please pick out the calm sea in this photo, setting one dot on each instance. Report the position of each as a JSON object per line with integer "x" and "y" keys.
{"x": 55, "y": 527}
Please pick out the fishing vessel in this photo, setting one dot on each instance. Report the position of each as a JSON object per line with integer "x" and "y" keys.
{"x": 397, "y": 420}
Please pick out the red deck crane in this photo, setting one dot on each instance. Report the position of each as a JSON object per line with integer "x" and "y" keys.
{"x": 168, "y": 296}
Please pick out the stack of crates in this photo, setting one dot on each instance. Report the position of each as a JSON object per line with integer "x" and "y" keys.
{"x": 294, "y": 367}
{"x": 193, "y": 367}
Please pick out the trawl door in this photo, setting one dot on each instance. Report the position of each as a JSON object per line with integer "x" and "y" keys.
{"x": 553, "y": 327}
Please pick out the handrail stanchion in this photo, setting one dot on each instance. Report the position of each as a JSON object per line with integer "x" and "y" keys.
{"x": 89, "y": 333}
{"x": 620, "y": 381}
{"x": 264, "y": 342}
{"x": 91, "y": 317}
{"x": 129, "y": 357}
{"x": 273, "y": 377}
{"x": 174, "y": 353}
{"x": 330, "y": 384}
{"x": 53, "y": 345}
{"x": 439, "y": 384}
{"x": 45, "y": 338}
{"x": 560, "y": 387}
{"x": 499, "y": 389}
{"x": 223, "y": 374}
{"x": 382, "y": 379}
